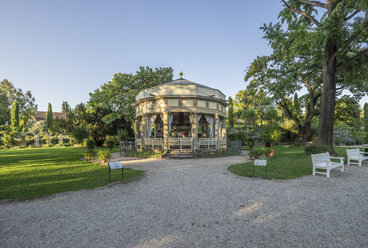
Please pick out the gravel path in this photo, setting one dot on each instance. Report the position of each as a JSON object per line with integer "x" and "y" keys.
{"x": 197, "y": 203}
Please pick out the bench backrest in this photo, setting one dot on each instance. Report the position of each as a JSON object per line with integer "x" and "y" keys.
{"x": 353, "y": 152}
{"x": 320, "y": 157}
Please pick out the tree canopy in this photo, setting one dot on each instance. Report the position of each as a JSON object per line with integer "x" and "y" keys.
{"x": 117, "y": 96}
{"x": 337, "y": 36}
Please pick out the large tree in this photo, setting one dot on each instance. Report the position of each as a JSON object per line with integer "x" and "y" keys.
{"x": 282, "y": 75}
{"x": 115, "y": 98}
{"x": 341, "y": 31}
{"x": 26, "y": 102}
{"x": 4, "y": 110}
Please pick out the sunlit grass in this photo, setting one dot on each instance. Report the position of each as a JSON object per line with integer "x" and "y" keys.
{"x": 288, "y": 162}
{"x": 30, "y": 173}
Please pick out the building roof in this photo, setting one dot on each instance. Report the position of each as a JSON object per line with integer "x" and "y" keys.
{"x": 183, "y": 81}
{"x": 185, "y": 88}
{"x": 41, "y": 115}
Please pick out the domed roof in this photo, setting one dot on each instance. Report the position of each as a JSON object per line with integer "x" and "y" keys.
{"x": 183, "y": 81}
{"x": 180, "y": 87}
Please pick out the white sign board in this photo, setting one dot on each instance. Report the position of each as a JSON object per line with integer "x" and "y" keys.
{"x": 260, "y": 162}
{"x": 115, "y": 165}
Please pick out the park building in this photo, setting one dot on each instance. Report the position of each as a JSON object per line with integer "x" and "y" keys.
{"x": 181, "y": 117}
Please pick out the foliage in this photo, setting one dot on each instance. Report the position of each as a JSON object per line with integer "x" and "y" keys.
{"x": 90, "y": 144}
{"x": 37, "y": 127}
{"x": 26, "y": 102}
{"x": 316, "y": 148}
{"x": 14, "y": 121}
{"x": 237, "y": 134}
{"x": 272, "y": 135}
{"x": 230, "y": 113}
{"x": 110, "y": 142}
{"x": 347, "y": 111}
{"x": 4, "y": 109}
{"x": 114, "y": 99}
{"x": 104, "y": 155}
{"x": 89, "y": 154}
{"x": 348, "y": 135}
{"x": 256, "y": 153}
{"x": 80, "y": 134}
{"x": 30, "y": 173}
{"x": 123, "y": 134}
{"x": 55, "y": 140}
{"x": 65, "y": 108}
{"x": 334, "y": 40}
{"x": 250, "y": 117}
{"x": 49, "y": 119}
{"x": 9, "y": 138}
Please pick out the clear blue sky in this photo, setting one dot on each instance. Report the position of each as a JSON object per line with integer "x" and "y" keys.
{"x": 62, "y": 50}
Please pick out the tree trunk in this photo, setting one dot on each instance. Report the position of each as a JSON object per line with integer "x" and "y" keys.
{"x": 302, "y": 138}
{"x": 328, "y": 100}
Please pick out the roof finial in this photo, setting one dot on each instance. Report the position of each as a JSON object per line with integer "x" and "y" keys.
{"x": 181, "y": 74}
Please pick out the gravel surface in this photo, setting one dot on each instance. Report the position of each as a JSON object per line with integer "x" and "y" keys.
{"x": 197, "y": 203}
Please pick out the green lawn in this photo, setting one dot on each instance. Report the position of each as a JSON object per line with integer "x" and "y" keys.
{"x": 30, "y": 173}
{"x": 288, "y": 162}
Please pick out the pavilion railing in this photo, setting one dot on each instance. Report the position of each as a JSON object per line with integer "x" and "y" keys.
{"x": 154, "y": 143}
{"x": 207, "y": 143}
{"x": 180, "y": 143}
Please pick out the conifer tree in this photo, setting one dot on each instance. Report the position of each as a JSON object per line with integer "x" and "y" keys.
{"x": 230, "y": 114}
{"x": 14, "y": 121}
{"x": 49, "y": 119}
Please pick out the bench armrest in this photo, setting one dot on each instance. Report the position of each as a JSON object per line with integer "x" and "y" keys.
{"x": 341, "y": 159}
{"x": 363, "y": 153}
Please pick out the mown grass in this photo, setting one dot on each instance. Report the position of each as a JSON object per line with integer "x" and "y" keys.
{"x": 30, "y": 173}
{"x": 143, "y": 154}
{"x": 288, "y": 162}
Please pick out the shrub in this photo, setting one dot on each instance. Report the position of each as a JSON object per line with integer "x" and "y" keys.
{"x": 123, "y": 134}
{"x": 104, "y": 155}
{"x": 66, "y": 141}
{"x": 359, "y": 136}
{"x": 90, "y": 144}
{"x": 316, "y": 148}
{"x": 79, "y": 134}
{"x": 89, "y": 154}
{"x": 110, "y": 142}
{"x": 55, "y": 140}
{"x": 256, "y": 153}
{"x": 29, "y": 140}
{"x": 9, "y": 139}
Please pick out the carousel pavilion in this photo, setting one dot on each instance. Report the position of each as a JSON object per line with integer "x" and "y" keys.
{"x": 180, "y": 116}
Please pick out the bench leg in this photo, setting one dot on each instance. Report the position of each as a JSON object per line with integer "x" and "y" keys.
{"x": 314, "y": 171}
{"x": 328, "y": 173}
{"x": 342, "y": 168}
{"x": 360, "y": 162}
{"x": 348, "y": 162}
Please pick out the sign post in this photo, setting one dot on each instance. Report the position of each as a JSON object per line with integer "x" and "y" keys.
{"x": 116, "y": 165}
{"x": 259, "y": 162}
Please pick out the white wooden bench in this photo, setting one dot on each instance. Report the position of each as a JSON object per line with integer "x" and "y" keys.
{"x": 323, "y": 161}
{"x": 356, "y": 155}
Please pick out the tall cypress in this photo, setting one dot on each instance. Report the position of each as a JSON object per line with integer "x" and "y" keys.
{"x": 14, "y": 120}
{"x": 230, "y": 114}
{"x": 49, "y": 119}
